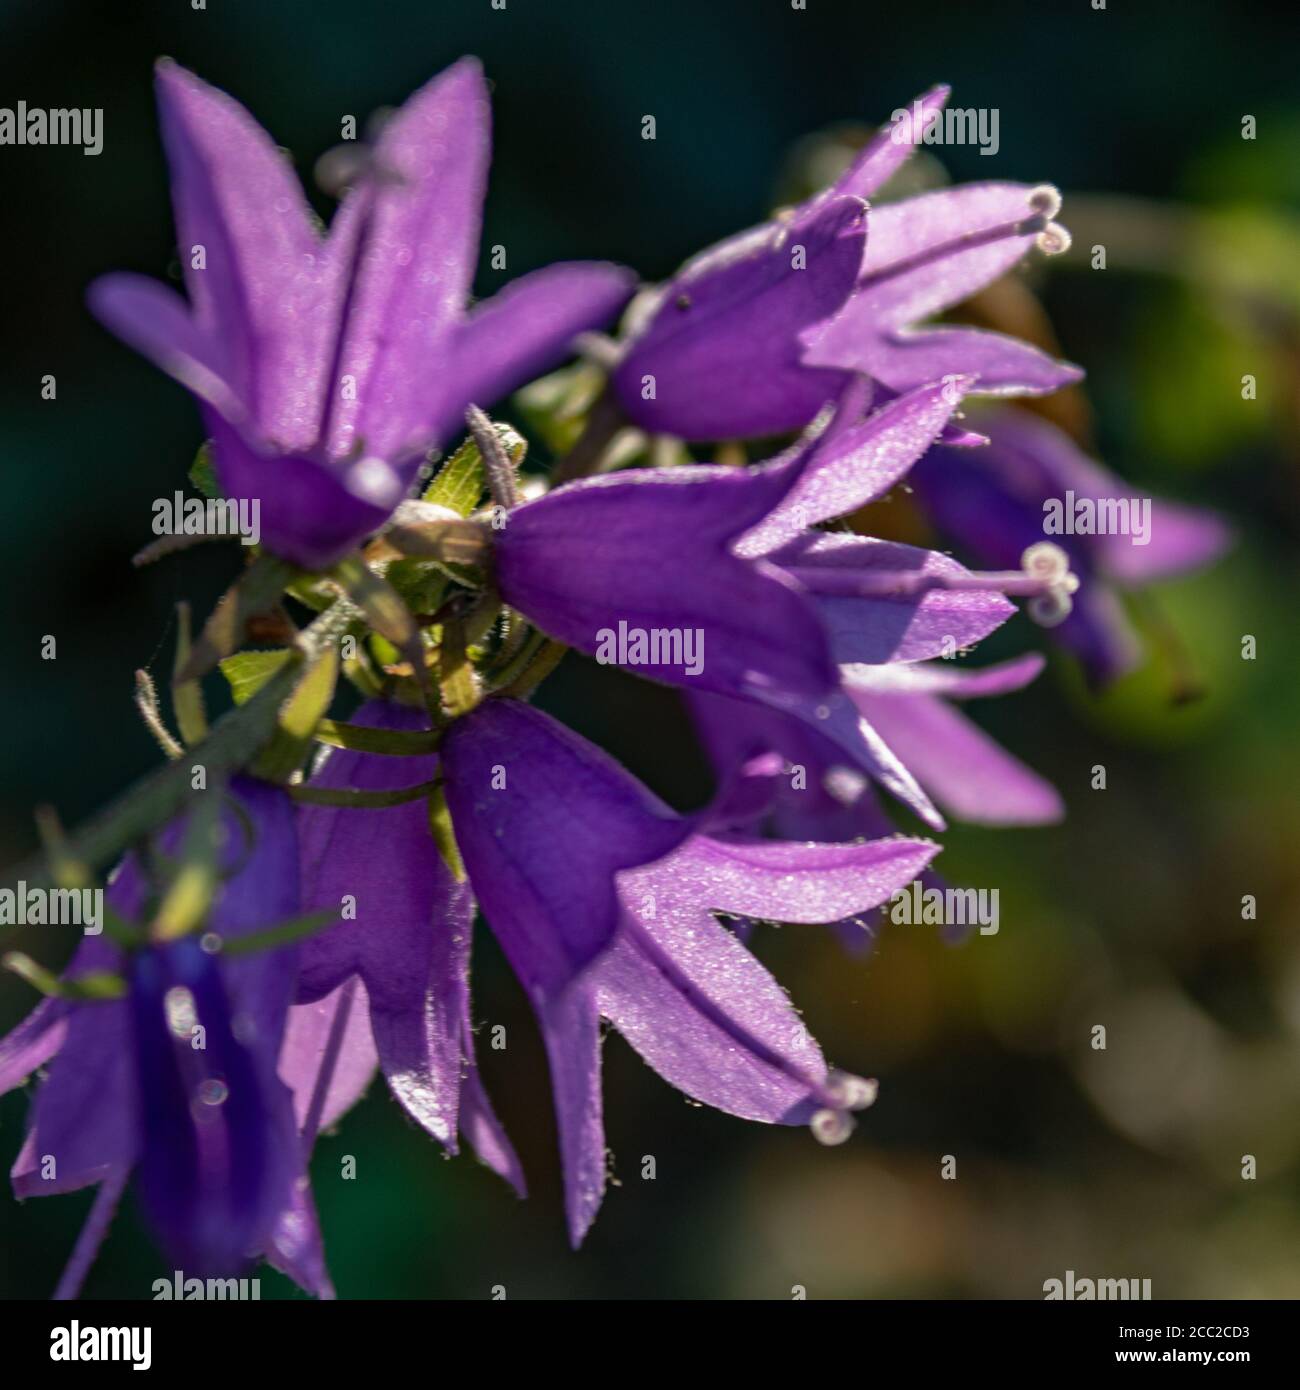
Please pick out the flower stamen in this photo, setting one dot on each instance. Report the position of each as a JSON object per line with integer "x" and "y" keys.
{"x": 1045, "y": 578}
{"x": 1051, "y": 238}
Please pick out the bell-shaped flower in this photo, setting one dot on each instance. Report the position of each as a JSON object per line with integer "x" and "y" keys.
{"x": 327, "y": 366}
{"x": 402, "y": 947}
{"x": 175, "y": 1085}
{"x": 1033, "y": 483}
{"x": 603, "y": 902}
{"x": 684, "y": 575}
{"x": 751, "y": 336}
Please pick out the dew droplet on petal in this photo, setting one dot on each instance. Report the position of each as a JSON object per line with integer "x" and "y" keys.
{"x": 213, "y": 1091}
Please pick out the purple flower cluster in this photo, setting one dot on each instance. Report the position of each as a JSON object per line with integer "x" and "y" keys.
{"x": 328, "y": 368}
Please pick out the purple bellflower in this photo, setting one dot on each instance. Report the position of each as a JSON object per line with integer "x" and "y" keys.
{"x": 175, "y": 1085}
{"x": 327, "y": 366}
{"x": 780, "y": 609}
{"x": 405, "y": 941}
{"x": 608, "y": 560}
{"x": 698, "y": 549}
{"x": 1033, "y": 482}
{"x": 915, "y": 744}
{"x": 886, "y": 609}
{"x": 387, "y": 989}
{"x": 907, "y": 708}
{"x": 750, "y": 337}
{"x": 602, "y": 901}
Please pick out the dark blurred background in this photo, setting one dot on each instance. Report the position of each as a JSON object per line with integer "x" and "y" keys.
{"x": 1118, "y": 1163}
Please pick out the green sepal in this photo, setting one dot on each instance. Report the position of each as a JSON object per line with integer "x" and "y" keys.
{"x": 282, "y": 934}
{"x": 302, "y": 711}
{"x": 363, "y": 739}
{"x": 359, "y": 800}
{"x": 457, "y": 678}
{"x": 189, "y": 893}
{"x": 460, "y": 482}
{"x": 538, "y": 665}
{"x": 444, "y": 833}
{"x": 95, "y": 985}
{"x": 421, "y": 583}
{"x": 187, "y": 695}
{"x": 385, "y": 611}
{"x": 202, "y": 473}
{"x": 248, "y": 672}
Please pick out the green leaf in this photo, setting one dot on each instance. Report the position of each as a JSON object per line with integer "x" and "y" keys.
{"x": 248, "y": 672}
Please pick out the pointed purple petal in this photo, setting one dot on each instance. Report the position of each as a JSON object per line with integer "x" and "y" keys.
{"x": 328, "y": 1057}
{"x": 902, "y": 232}
{"x": 82, "y": 1124}
{"x": 958, "y": 763}
{"x": 721, "y": 343}
{"x": 697, "y": 1025}
{"x": 157, "y": 322}
{"x": 523, "y": 331}
{"x": 570, "y": 1027}
{"x": 789, "y": 882}
{"x": 1030, "y": 462}
{"x": 485, "y": 1133}
{"x": 923, "y": 256}
{"x": 1181, "y": 539}
{"x": 32, "y": 1043}
{"x": 820, "y": 737}
{"x": 1000, "y": 366}
{"x": 879, "y": 629}
{"x": 267, "y": 293}
{"x": 420, "y": 246}
{"x": 946, "y": 678}
{"x": 591, "y": 556}
{"x": 296, "y": 1248}
{"x": 410, "y": 937}
{"x": 891, "y": 147}
{"x": 858, "y": 465}
{"x": 544, "y": 820}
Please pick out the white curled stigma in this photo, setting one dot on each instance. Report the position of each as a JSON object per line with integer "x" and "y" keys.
{"x": 1050, "y": 565}
{"x": 833, "y": 1124}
